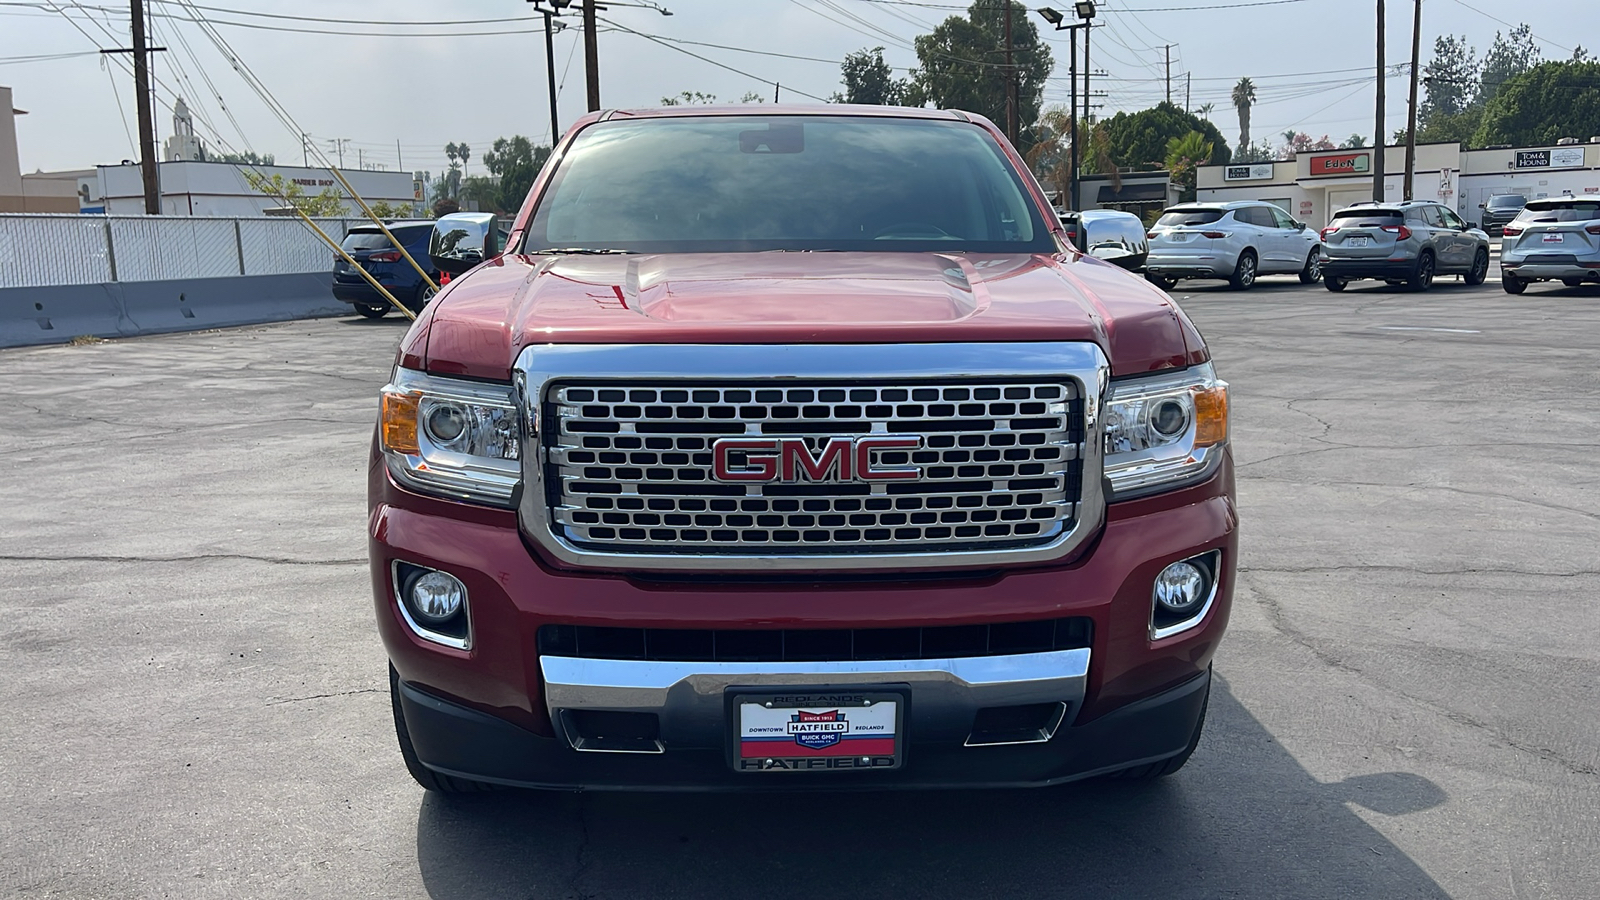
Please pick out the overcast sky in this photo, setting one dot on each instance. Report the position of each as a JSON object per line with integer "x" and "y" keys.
{"x": 1311, "y": 61}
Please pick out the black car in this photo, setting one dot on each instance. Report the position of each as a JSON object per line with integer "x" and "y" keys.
{"x": 370, "y": 247}
{"x": 1500, "y": 210}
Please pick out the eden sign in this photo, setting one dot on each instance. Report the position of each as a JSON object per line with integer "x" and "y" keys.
{"x": 1342, "y": 164}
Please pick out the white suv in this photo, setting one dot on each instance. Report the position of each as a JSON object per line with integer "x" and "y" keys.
{"x": 1235, "y": 241}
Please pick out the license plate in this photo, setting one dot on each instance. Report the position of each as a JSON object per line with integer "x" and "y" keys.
{"x": 1179, "y": 237}
{"x": 1553, "y": 239}
{"x": 817, "y": 730}
{"x": 1358, "y": 241}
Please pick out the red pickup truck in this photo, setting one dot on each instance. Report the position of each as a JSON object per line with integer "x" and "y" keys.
{"x": 796, "y": 448}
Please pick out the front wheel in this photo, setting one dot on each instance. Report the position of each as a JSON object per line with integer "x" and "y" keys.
{"x": 1161, "y": 281}
{"x": 1312, "y": 273}
{"x": 1480, "y": 268}
{"x": 1422, "y": 277}
{"x": 1244, "y": 274}
{"x": 1512, "y": 284}
{"x": 372, "y": 310}
{"x": 1334, "y": 282}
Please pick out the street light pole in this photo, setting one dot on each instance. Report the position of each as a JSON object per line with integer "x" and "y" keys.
{"x": 1072, "y": 161}
{"x": 1084, "y": 9}
{"x": 1377, "y": 134}
{"x": 1011, "y": 83}
{"x": 550, "y": 71}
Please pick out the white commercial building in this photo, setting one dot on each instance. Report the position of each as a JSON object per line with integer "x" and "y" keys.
{"x": 192, "y": 188}
{"x": 1314, "y": 184}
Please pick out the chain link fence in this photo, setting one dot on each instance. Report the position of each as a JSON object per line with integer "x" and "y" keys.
{"x": 38, "y": 250}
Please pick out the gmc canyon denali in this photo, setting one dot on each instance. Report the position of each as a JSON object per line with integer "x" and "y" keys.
{"x": 796, "y": 448}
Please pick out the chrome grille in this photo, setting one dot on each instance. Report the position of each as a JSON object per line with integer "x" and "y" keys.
{"x": 630, "y": 466}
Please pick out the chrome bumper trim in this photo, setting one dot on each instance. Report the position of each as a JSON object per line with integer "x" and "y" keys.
{"x": 690, "y": 697}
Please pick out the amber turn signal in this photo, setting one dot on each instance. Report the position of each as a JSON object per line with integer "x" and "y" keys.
{"x": 1211, "y": 415}
{"x": 399, "y": 429}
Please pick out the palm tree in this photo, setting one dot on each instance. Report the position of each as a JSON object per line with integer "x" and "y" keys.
{"x": 1184, "y": 154}
{"x": 1205, "y": 109}
{"x": 1050, "y": 157}
{"x": 1244, "y": 96}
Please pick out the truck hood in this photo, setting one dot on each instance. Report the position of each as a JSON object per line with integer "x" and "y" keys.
{"x": 479, "y": 324}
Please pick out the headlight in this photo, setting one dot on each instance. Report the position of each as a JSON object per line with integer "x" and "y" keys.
{"x": 1164, "y": 430}
{"x": 450, "y": 437}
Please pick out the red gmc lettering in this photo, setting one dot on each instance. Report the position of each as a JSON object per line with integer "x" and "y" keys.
{"x": 759, "y": 468}
{"x": 790, "y": 460}
{"x": 866, "y": 471}
{"x": 836, "y": 452}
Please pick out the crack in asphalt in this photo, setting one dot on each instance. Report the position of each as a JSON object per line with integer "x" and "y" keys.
{"x": 582, "y": 862}
{"x": 275, "y": 560}
{"x": 1412, "y": 488}
{"x": 1308, "y": 570}
{"x": 1278, "y": 618}
{"x": 326, "y": 696}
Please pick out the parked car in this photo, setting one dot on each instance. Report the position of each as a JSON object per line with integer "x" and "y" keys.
{"x": 1235, "y": 241}
{"x": 1499, "y": 211}
{"x": 372, "y": 249}
{"x": 651, "y": 492}
{"x": 1115, "y": 236}
{"x": 1557, "y": 238}
{"x": 1407, "y": 243}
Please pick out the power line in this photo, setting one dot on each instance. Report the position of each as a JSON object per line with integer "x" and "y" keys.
{"x": 707, "y": 59}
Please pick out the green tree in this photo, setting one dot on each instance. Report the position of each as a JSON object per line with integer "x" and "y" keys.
{"x": 689, "y": 98}
{"x": 962, "y": 64}
{"x": 1244, "y": 97}
{"x": 1139, "y": 140}
{"x": 1255, "y": 153}
{"x": 1050, "y": 157}
{"x": 326, "y": 203}
{"x": 1549, "y": 102}
{"x": 868, "y": 79}
{"x": 1449, "y": 80}
{"x": 384, "y": 210}
{"x": 1353, "y": 142}
{"x": 1205, "y": 110}
{"x": 1184, "y": 155}
{"x": 1508, "y": 57}
{"x": 753, "y": 97}
{"x": 514, "y": 162}
{"x": 247, "y": 158}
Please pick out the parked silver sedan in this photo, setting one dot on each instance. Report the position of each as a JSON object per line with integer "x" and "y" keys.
{"x": 1236, "y": 241}
{"x": 1553, "y": 239}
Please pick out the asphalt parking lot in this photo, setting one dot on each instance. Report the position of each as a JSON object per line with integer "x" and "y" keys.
{"x": 195, "y": 699}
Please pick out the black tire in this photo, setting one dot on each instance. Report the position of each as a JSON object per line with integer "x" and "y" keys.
{"x": 429, "y": 779}
{"x": 1312, "y": 273}
{"x": 1480, "y": 268}
{"x": 1422, "y": 276}
{"x": 1334, "y": 282}
{"x": 1573, "y": 282}
{"x": 1244, "y": 272}
{"x": 372, "y": 310}
{"x": 422, "y": 297}
{"x": 1511, "y": 284}
{"x": 1169, "y": 766}
{"x": 1161, "y": 281}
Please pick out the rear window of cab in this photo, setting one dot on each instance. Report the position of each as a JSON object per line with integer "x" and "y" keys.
{"x": 1175, "y": 218}
{"x": 1559, "y": 211}
{"x": 1374, "y": 216}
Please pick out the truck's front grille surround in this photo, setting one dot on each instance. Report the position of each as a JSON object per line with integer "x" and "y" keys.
{"x": 1074, "y": 376}
{"x": 630, "y": 466}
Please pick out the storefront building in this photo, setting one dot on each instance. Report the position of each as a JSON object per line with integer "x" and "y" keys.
{"x": 1313, "y": 185}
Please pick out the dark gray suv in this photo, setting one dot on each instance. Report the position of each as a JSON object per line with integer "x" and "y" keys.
{"x": 1403, "y": 243}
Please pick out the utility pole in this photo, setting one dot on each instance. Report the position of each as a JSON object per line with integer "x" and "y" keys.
{"x": 338, "y": 144}
{"x": 1072, "y": 161}
{"x": 1011, "y": 82}
{"x": 1088, "y": 29}
{"x": 305, "y": 151}
{"x": 361, "y": 159}
{"x": 399, "y": 156}
{"x": 1411, "y": 115}
{"x": 775, "y": 88}
{"x": 550, "y": 67}
{"x": 1188, "y": 92}
{"x": 591, "y": 55}
{"x": 1169, "y": 72}
{"x": 147, "y": 125}
{"x": 1377, "y": 134}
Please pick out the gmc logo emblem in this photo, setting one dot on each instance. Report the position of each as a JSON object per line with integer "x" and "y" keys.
{"x": 788, "y": 459}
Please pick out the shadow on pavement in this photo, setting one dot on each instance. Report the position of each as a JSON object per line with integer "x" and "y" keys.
{"x": 1242, "y": 820}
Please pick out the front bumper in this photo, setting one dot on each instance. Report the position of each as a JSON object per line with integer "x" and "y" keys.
{"x": 1369, "y": 268}
{"x": 494, "y": 712}
{"x": 455, "y": 740}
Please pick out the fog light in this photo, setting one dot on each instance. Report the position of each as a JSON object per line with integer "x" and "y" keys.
{"x": 436, "y": 597}
{"x": 1181, "y": 587}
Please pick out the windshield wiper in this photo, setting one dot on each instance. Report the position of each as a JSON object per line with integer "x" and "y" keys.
{"x": 580, "y": 251}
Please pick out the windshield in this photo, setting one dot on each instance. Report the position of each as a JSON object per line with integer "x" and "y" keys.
{"x": 1559, "y": 211}
{"x": 373, "y": 239}
{"x": 755, "y": 183}
{"x": 1507, "y": 201}
{"x": 1173, "y": 218}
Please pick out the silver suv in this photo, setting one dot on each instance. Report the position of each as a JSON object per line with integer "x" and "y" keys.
{"x": 1236, "y": 241}
{"x": 1554, "y": 238}
{"x": 1403, "y": 243}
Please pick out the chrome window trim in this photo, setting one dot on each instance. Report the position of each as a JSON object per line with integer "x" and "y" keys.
{"x": 539, "y": 365}
{"x": 420, "y": 630}
{"x": 1157, "y": 634}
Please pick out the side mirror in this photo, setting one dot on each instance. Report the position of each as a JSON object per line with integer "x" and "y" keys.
{"x": 1482, "y": 206}
{"x": 463, "y": 240}
{"x": 1299, "y": 226}
{"x": 1117, "y": 255}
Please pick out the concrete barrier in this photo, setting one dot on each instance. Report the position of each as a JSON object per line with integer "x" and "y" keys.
{"x": 54, "y": 315}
